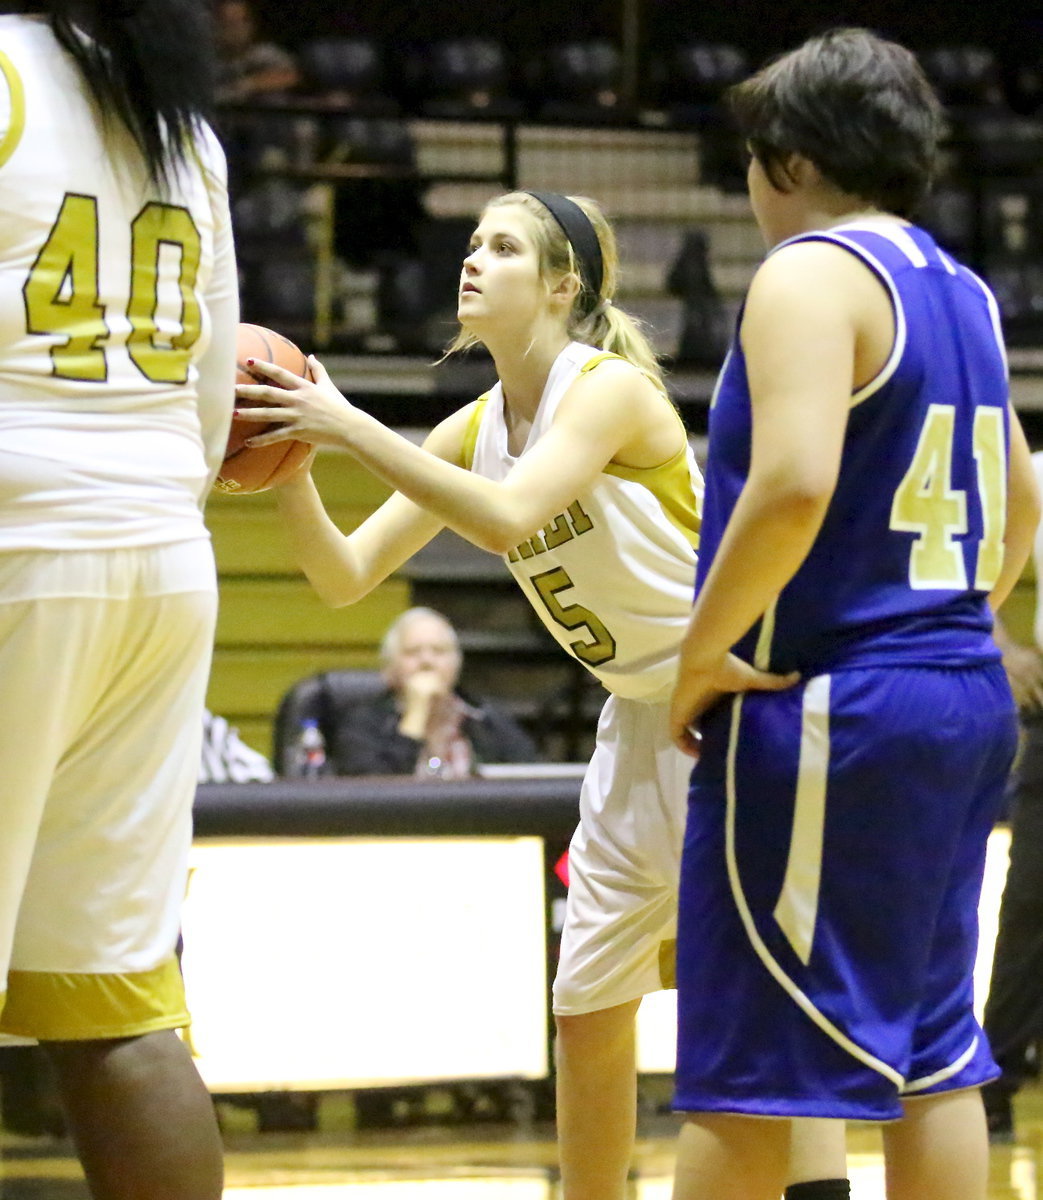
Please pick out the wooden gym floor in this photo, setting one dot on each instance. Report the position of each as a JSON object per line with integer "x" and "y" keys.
{"x": 461, "y": 1162}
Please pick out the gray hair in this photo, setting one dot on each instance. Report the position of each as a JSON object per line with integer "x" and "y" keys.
{"x": 392, "y": 639}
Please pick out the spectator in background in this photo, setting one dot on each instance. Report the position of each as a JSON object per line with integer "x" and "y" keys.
{"x": 421, "y": 723}
{"x": 248, "y": 67}
{"x": 1014, "y": 1009}
{"x": 250, "y": 71}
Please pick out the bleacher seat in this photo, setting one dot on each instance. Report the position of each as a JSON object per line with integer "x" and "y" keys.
{"x": 698, "y": 73}
{"x": 276, "y": 272}
{"x": 579, "y": 82}
{"x": 1018, "y": 287}
{"x": 948, "y": 214}
{"x": 694, "y": 80}
{"x": 347, "y": 72}
{"x": 374, "y": 140}
{"x": 466, "y": 77}
{"x": 964, "y": 76}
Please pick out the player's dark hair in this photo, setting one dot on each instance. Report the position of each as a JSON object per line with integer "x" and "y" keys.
{"x": 148, "y": 63}
{"x": 857, "y": 106}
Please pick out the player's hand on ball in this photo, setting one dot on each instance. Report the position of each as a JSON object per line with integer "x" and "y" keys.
{"x": 700, "y": 686}
{"x": 305, "y": 411}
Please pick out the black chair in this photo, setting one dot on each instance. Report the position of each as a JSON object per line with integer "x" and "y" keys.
{"x": 948, "y": 213}
{"x": 257, "y": 140}
{"x": 317, "y": 698}
{"x": 967, "y": 80}
{"x": 1000, "y": 144}
{"x": 697, "y": 74}
{"x": 579, "y": 82}
{"x": 348, "y": 73}
{"x": 462, "y": 78}
{"x": 1018, "y": 287}
{"x": 963, "y": 76}
{"x": 269, "y": 213}
{"x": 377, "y": 220}
{"x": 375, "y": 140}
{"x": 695, "y": 78}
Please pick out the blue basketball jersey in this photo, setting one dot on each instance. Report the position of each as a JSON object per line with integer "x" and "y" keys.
{"x": 912, "y": 541}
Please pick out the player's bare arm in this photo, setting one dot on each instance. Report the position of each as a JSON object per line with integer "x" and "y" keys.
{"x": 1023, "y": 509}
{"x": 345, "y": 567}
{"x": 806, "y": 310}
{"x": 596, "y": 421}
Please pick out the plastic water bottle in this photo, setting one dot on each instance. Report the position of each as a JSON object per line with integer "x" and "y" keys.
{"x": 311, "y": 750}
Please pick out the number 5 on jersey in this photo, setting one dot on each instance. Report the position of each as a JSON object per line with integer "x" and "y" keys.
{"x": 926, "y": 504}
{"x": 575, "y": 616}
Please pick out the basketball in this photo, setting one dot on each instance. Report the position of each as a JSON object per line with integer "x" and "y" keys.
{"x": 248, "y": 469}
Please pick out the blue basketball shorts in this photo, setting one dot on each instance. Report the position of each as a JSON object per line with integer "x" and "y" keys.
{"x": 832, "y": 865}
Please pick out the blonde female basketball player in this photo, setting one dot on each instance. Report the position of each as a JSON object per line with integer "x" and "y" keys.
{"x": 576, "y": 468}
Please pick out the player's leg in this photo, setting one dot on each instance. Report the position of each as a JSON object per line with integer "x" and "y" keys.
{"x": 723, "y": 1156}
{"x": 1014, "y": 1009}
{"x": 617, "y": 944}
{"x": 142, "y": 1120}
{"x": 940, "y": 1146}
{"x": 596, "y": 1089}
{"x": 94, "y": 972}
{"x": 817, "y": 1160}
{"x": 939, "y": 1150}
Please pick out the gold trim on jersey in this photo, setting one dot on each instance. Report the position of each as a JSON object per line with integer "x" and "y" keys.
{"x": 66, "y": 1006}
{"x": 16, "y": 128}
{"x": 679, "y": 495}
{"x": 471, "y": 432}
{"x": 598, "y": 359}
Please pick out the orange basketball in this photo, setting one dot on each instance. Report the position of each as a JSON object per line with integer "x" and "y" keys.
{"x": 249, "y": 469}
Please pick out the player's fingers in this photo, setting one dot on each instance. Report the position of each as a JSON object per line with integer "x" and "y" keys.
{"x": 687, "y": 741}
{"x": 764, "y": 682}
{"x": 264, "y": 415}
{"x": 318, "y": 371}
{"x": 269, "y": 437}
{"x": 257, "y": 366}
{"x": 261, "y": 391}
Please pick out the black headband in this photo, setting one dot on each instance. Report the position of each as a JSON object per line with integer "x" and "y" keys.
{"x": 582, "y": 237}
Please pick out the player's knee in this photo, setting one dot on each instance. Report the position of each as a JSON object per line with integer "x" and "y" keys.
{"x": 606, "y": 1031}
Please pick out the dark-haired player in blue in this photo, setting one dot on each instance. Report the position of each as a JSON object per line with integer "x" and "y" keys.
{"x": 869, "y": 493}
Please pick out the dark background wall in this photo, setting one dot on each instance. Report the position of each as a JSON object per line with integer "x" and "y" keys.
{"x": 760, "y": 27}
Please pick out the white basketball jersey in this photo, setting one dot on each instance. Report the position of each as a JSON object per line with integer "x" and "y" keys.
{"x": 611, "y": 577}
{"x": 118, "y": 310}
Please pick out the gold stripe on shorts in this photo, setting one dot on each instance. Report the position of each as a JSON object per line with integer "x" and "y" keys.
{"x": 668, "y": 963}
{"x": 55, "y": 1006}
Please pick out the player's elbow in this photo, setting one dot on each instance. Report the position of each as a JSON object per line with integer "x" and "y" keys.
{"x": 500, "y": 542}
{"x": 505, "y": 538}
{"x": 500, "y": 533}
{"x": 337, "y": 593}
{"x": 802, "y": 497}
